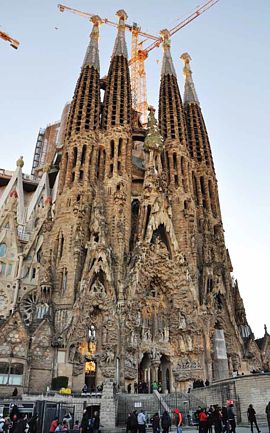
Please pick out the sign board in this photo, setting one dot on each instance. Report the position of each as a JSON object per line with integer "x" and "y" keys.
{"x": 138, "y": 404}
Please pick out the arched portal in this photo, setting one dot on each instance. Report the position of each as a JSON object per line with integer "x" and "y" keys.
{"x": 144, "y": 374}
{"x": 164, "y": 374}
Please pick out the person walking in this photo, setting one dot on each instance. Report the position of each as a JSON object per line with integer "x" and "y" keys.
{"x": 178, "y": 420}
{"x": 54, "y": 424}
{"x": 141, "y": 422}
{"x": 133, "y": 422}
{"x": 96, "y": 422}
{"x": 252, "y": 418}
{"x": 231, "y": 418}
{"x": 203, "y": 421}
{"x": 217, "y": 420}
{"x": 166, "y": 422}
{"x": 156, "y": 423}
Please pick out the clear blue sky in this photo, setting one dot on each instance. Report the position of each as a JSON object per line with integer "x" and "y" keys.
{"x": 229, "y": 45}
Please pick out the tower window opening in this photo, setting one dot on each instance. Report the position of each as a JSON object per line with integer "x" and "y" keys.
{"x": 135, "y": 207}
{"x": 120, "y": 143}
{"x": 73, "y": 176}
{"x": 148, "y": 213}
{"x": 112, "y": 149}
{"x": 75, "y": 154}
{"x": 195, "y": 189}
{"x": 61, "y": 249}
{"x": 81, "y": 175}
{"x": 119, "y": 168}
{"x": 111, "y": 170}
{"x": 174, "y": 161}
{"x": 83, "y": 154}
{"x": 212, "y": 198}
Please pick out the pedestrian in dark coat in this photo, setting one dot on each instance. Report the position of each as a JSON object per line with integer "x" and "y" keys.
{"x": 217, "y": 420}
{"x": 231, "y": 418}
{"x": 156, "y": 423}
{"x": 133, "y": 423}
{"x": 252, "y": 418}
{"x": 166, "y": 422}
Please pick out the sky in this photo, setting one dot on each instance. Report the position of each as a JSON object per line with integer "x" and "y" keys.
{"x": 229, "y": 46}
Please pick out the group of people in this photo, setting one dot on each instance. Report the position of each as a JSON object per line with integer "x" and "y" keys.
{"x": 143, "y": 387}
{"x": 64, "y": 425}
{"x": 221, "y": 419}
{"x": 88, "y": 424}
{"x": 18, "y": 423}
{"x": 136, "y": 422}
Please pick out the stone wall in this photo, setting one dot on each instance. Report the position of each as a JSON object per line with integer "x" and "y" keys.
{"x": 244, "y": 390}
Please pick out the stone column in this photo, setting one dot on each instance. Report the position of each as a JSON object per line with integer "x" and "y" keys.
{"x": 107, "y": 406}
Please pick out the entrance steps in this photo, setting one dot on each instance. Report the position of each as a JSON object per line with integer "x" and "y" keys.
{"x": 127, "y": 403}
{"x": 156, "y": 402}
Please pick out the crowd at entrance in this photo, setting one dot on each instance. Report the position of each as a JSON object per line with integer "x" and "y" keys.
{"x": 213, "y": 418}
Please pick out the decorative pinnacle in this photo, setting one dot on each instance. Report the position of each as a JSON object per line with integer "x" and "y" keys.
{"x": 92, "y": 54}
{"x": 165, "y": 38}
{"x": 167, "y": 63}
{"x": 186, "y": 59}
{"x": 97, "y": 21}
{"x": 190, "y": 92}
{"x": 20, "y": 162}
{"x": 122, "y": 17}
{"x": 120, "y": 47}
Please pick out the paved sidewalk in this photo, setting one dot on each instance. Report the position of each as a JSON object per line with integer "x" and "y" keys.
{"x": 239, "y": 429}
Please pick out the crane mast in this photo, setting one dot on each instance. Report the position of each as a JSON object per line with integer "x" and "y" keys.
{"x": 13, "y": 42}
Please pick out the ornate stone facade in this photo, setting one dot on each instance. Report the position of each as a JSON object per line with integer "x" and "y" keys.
{"x": 116, "y": 268}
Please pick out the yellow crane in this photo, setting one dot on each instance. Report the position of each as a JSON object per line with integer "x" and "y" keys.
{"x": 13, "y": 42}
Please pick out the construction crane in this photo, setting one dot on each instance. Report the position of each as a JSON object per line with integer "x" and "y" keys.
{"x": 13, "y": 42}
{"x": 138, "y": 57}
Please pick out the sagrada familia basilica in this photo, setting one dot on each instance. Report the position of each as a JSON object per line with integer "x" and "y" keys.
{"x": 113, "y": 263}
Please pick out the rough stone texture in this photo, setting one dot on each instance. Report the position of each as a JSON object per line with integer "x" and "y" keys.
{"x": 120, "y": 260}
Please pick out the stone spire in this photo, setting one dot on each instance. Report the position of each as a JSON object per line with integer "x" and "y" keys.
{"x": 171, "y": 119}
{"x": 120, "y": 46}
{"x": 92, "y": 53}
{"x": 198, "y": 141}
{"x": 117, "y": 98}
{"x": 85, "y": 107}
{"x": 167, "y": 62}
{"x": 190, "y": 94}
